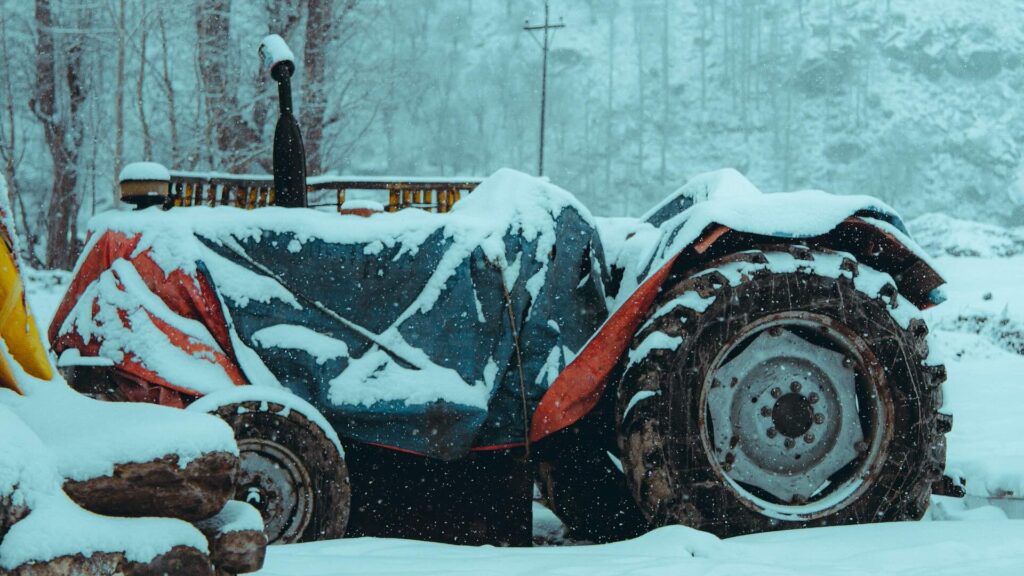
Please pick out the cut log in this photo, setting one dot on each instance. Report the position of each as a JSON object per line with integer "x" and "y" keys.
{"x": 161, "y": 488}
{"x": 238, "y": 544}
{"x": 9, "y": 514}
{"x": 178, "y": 560}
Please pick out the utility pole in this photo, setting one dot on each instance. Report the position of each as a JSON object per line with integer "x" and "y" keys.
{"x": 548, "y": 35}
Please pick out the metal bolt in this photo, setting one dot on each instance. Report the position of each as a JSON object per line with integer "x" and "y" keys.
{"x": 819, "y": 418}
{"x": 790, "y": 442}
{"x": 798, "y": 499}
{"x": 772, "y": 432}
{"x": 727, "y": 467}
{"x": 776, "y": 392}
{"x": 847, "y": 362}
{"x": 813, "y": 398}
{"x": 766, "y": 411}
{"x": 775, "y": 331}
{"x": 861, "y": 446}
{"x": 808, "y": 437}
{"x": 794, "y": 386}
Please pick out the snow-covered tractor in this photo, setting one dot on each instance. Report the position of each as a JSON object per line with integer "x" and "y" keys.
{"x": 733, "y": 361}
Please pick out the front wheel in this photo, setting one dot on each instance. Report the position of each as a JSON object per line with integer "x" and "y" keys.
{"x": 781, "y": 389}
{"x": 292, "y": 466}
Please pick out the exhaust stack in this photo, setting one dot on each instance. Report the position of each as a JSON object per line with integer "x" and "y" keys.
{"x": 289, "y": 153}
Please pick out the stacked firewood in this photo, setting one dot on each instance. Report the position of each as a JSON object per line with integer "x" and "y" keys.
{"x": 152, "y": 517}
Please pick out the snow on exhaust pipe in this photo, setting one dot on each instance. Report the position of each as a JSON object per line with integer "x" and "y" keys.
{"x": 289, "y": 153}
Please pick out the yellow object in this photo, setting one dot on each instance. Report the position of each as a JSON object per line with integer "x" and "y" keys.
{"x": 17, "y": 326}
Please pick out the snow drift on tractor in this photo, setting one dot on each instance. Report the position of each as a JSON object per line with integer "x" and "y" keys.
{"x": 734, "y": 361}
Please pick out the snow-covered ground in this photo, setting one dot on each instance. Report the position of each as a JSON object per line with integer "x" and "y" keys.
{"x": 990, "y": 548}
{"x": 978, "y": 332}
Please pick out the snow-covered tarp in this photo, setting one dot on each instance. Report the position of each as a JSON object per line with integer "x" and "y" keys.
{"x": 427, "y": 332}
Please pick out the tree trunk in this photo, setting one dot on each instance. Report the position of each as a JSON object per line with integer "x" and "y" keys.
{"x": 319, "y": 27}
{"x": 63, "y": 134}
{"x": 233, "y": 135}
{"x": 119, "y": 96}
{"x": 665, "y": 97}
{"x": 172, "y": 114}
{"x": 140, "y": 96}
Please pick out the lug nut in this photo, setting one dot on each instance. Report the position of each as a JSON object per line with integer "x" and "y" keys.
{"x": 808, "y": 437}
{"x": 819, "y": 418}
{"x": 772, "y": 432}
{"x": 861, "y": 446}
{"x": 790, "y": 442}
{"x": 847, "y": 362}
{"x": 766, "y": 411}
{"x": 775, "y": 331}
{"x": 795, "y": 386}
{"x": 776, "y": 392}
{"x": 813, "y": 398}
{"x": 716, "y": 383}
{"x": 727, "y": 467}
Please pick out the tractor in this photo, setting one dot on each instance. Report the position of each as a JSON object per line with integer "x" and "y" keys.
{"x": 423, "y": 364}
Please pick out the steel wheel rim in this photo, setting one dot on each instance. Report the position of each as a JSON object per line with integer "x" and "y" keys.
{"x": 784, "y": 453}
{"x": 273, "y": 480}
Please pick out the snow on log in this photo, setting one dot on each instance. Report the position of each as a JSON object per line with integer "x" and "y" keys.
{"x": 237, "y": 542}
{"x": 58, "y": 537}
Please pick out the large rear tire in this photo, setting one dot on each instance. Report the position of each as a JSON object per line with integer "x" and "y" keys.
{"x": 780, "y": 389}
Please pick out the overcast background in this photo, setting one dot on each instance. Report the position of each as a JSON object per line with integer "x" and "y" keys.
{"x": 914, "y": 101}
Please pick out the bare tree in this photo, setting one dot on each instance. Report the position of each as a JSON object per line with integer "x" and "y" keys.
{"x": 119, "y": 92}
{"x": 62, "y": 130}
{"x": 168, "y": 88}
{"x": 232, "y": 134}
{"x": 140, "y": 90}
{"x": 319, "y": 28}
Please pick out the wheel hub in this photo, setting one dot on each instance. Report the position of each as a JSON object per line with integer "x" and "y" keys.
{"x": 783, "y": 412}
{"x": 792, "y": 415}
{"x": 274, "y": 481}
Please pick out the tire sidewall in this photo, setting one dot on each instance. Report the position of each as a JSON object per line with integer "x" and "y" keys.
{"x": 702, "y": 494}
{"x": 324, "y": 464}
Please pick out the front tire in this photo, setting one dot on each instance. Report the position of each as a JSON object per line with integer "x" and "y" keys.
{"x": 781, "y": 389}
{"x": 292, "y": 470}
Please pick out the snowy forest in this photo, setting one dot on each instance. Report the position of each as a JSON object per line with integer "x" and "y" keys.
{"x": 913, "y": 101}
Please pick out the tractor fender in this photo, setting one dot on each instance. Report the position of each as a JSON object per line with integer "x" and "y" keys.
{"x": 859, "y": 225}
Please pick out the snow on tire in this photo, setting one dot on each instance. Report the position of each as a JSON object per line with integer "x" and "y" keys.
{"x": 292, "y": 466}
{"x": 781, "y": 388}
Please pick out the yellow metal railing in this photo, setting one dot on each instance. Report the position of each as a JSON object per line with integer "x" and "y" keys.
{"x": 252, "y": 191}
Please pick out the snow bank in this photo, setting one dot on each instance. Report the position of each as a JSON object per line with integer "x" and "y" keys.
{"x": 943, "y": 235}
{"x": 901, "y": 549}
